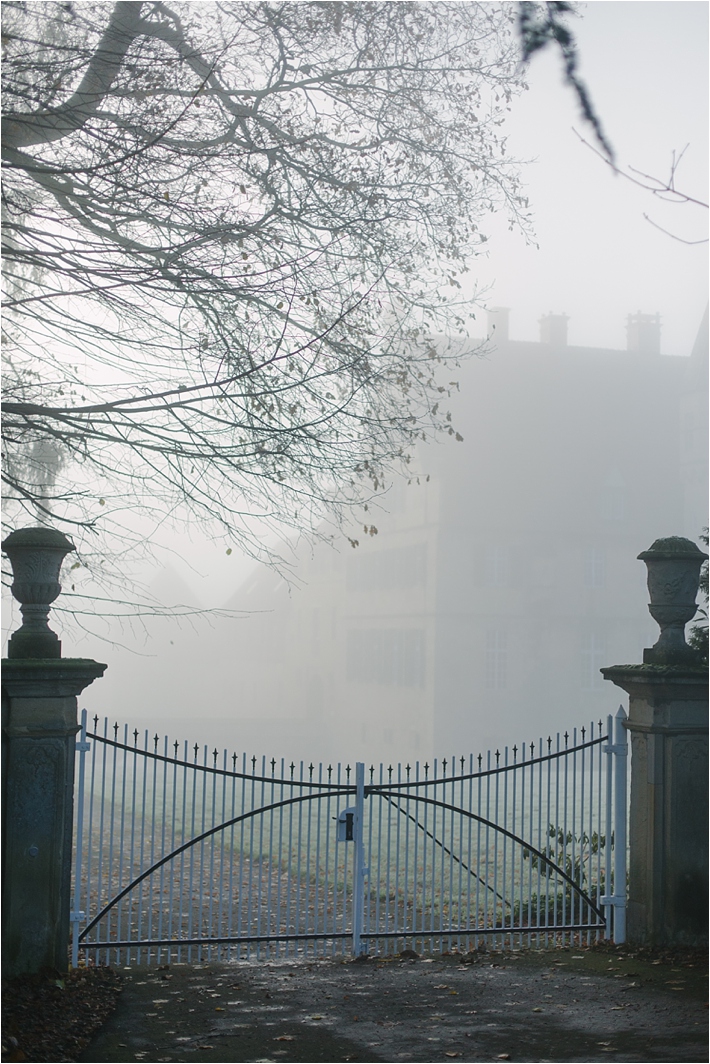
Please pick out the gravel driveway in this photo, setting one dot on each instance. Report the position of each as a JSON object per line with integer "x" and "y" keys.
{"x": 564, "y": 1005}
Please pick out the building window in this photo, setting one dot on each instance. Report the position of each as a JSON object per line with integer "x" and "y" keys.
{"x": 496, "y": 658}
{"x": 391, "y": 657}
{"x": 594, "y": 658}
{"x": 396, "y": 568}
{"x": 594, "y": 567}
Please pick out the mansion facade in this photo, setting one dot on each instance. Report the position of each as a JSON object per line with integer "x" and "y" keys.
{"x": 503, "y": 577}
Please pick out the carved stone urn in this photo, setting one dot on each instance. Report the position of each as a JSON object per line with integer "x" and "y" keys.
{"x": 673, "y": 577}
{"x": 36, "y": 556}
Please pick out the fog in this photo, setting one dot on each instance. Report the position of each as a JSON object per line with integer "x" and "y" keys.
{"x": 503, "y": 574}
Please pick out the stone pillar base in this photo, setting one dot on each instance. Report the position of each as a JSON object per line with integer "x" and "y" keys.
{"x": 39, "y": 726}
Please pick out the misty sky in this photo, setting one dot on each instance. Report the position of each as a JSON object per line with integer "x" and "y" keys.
{"x": 645, "y": 65}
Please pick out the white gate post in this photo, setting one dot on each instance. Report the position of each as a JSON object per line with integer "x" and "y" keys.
{"x": 617, "y": 753}
{"x": 359, "y": 870}
{"x": 77, "y": 914}
{"x": 620, "y": 751}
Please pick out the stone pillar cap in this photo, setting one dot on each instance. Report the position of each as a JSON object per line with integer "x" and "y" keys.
{"x": 672, "y": 547}
{"x": 39, "y": 537}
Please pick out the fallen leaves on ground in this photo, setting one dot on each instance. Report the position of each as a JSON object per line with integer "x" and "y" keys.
{"x": 51, "y": 1016}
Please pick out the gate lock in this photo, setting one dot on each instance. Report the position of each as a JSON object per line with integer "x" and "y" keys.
{"x": 346, "y": 824}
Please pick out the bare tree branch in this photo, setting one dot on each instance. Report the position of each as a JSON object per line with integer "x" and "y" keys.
{"x": 233, "y": 236}
{"x": 664, "y": 189}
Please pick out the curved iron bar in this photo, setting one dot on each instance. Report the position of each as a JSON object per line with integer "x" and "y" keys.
{"x": 445, "y": 848}
{"x": 335, "y": 787}
{"x": 516, "y": 838}
{"x": 334, "y": 794}
{"x": 344, "y": 787}
{"x": 438, "y": 780}
{"x": 221, "y": 940}
{"x": 201, "y": 838}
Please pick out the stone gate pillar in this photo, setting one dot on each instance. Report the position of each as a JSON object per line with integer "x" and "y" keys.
{"x": 668, "y": 722}
{"x": 39, "y": 726}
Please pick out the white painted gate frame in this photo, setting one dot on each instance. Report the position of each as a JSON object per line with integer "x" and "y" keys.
{"x": 614, "y": 904}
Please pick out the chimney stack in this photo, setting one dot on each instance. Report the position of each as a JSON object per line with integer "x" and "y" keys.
{"x": 553, "y": 329}
{"x": 643, "y": 333}
{"x": 498, "y": 323}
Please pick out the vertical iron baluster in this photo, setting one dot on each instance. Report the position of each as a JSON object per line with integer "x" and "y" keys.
{"x": 526, "y": 876}
{"x": 539, "y": 837}
{"x": 470, "y": 853}
{"x": 487, "y": 899}
{"x": 182, "y": 903}
{"x": 173, "y": 844}
{"x": 415, "y": 855}
{"x": 222, "y": 858}
{"x": 250, "y": 892}
{"x": 319, "y": 904}
{"x": 515, "y": 852}
{"x": 549, "y": 819}
{"x": 163, "y": 830}
{"x": 149, "y": 882}
{"x": 232, "y": 856}
{"x": 100, "y": 856}
{"x": 110, "y": 873}
{"x": 284, "y": 872}
{"x": 260, "y": 859}
{"x": 503, "y": 876}
{"x": 270, "y": 884}
{"x": 141, "y": 844}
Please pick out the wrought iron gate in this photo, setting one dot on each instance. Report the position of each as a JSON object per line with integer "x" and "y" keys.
{"x": 186, "y": 855}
